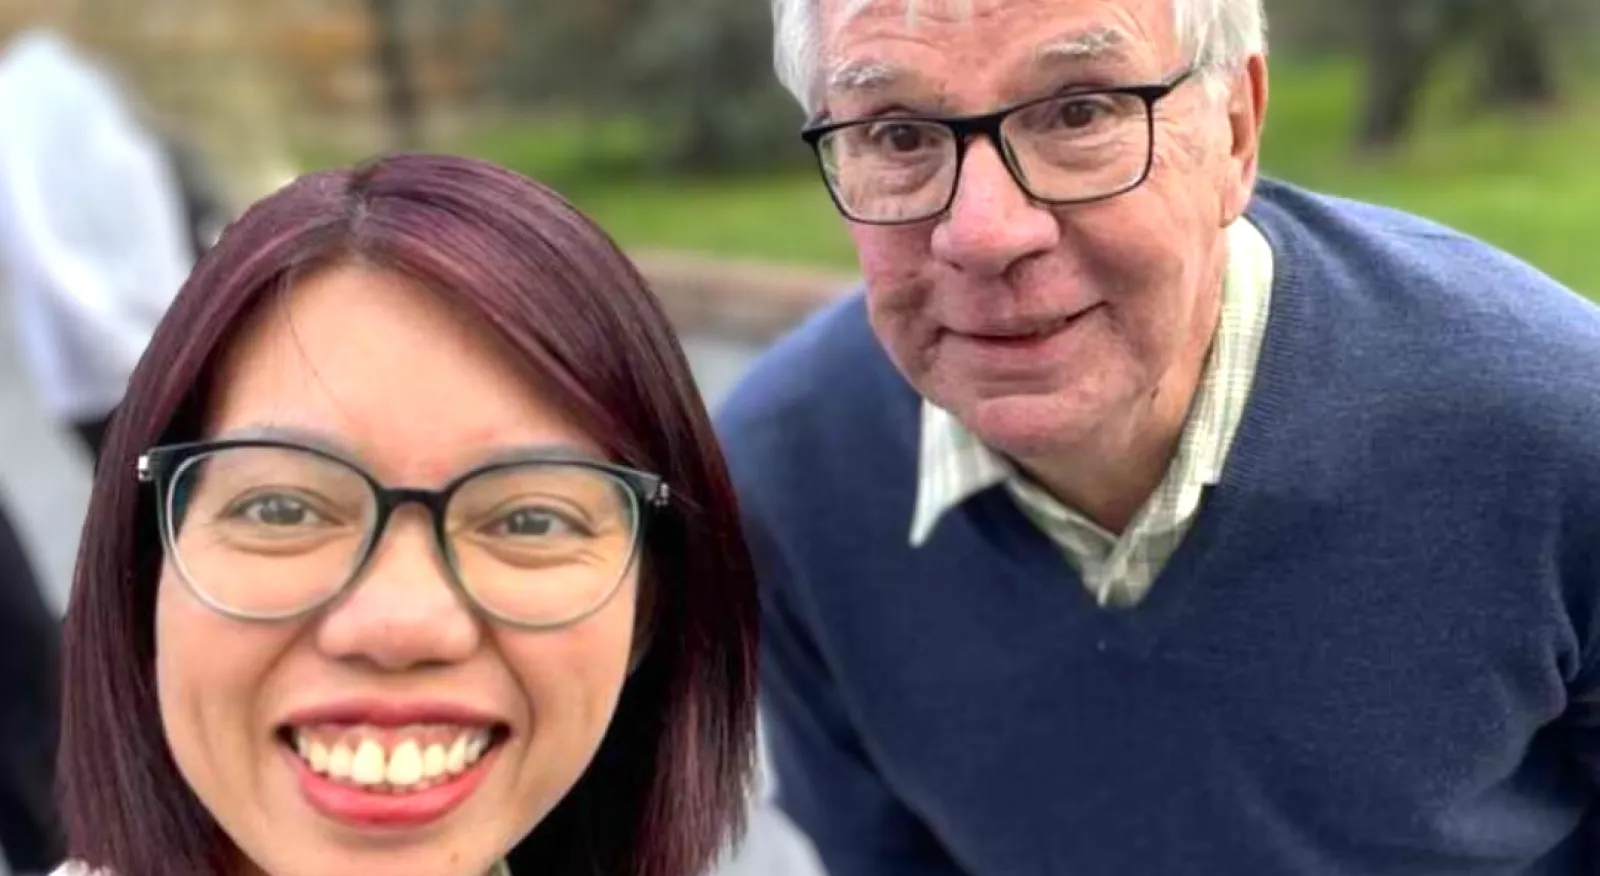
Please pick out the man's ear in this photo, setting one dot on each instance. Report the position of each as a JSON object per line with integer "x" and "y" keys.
{"x": 1247, "y": 113}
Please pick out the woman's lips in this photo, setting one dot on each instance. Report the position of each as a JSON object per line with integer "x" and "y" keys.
{"x": 386, "y": 763}
{"x": 383, "y": 803}
{"x": 397, "y": 759}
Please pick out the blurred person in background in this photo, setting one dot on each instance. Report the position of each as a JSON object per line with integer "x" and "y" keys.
{"x": 95, "y": 232}
{"x": 30, "y": 638}
{"x": 93, "y": 246}
{"x": 1141, "y": 517}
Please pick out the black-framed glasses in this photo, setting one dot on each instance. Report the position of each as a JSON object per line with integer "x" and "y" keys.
{"x": 1074, "y": 147}
{"x": 268, "y": 530}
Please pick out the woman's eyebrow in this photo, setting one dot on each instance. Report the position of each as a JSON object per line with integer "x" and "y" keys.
{"x": 527, "y": 452}
{"x": 313, "y": 438}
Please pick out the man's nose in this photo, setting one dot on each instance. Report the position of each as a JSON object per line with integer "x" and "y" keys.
{"x": 404, "y": 612}
{"x": 991, "y": 223}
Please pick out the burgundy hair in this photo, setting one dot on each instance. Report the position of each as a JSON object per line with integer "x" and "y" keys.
{"x": 667, "y": 789}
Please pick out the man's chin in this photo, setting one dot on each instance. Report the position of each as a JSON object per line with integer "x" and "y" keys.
{"x": 1027, "y": 427}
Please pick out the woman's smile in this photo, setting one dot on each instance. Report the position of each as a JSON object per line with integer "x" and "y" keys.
{"x": 387, "y": 765}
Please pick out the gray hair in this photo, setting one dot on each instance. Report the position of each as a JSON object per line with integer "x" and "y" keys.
{"x": 1215, "y": 34}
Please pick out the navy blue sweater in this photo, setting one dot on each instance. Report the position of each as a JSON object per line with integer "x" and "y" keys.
{"x": 1377, "y": 652}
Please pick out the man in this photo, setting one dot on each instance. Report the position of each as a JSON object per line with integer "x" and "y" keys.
{"x": 92, "y": 247}
{"x": 1144, "y": 518}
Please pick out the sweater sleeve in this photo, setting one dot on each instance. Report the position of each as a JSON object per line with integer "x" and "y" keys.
{"x": 825, "y": 780}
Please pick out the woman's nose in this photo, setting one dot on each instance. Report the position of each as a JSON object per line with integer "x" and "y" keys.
{"x": 403, "y": 612}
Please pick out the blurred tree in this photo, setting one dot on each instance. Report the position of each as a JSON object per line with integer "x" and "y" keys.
{"x": 701, "y": 71}
{"x": 1519, "y": 68}
{"x": 394, "y": 70}
{"x": 1402, "y": 41}
{"x": 697, "y": 73}
{"x": 1513, "y": 40}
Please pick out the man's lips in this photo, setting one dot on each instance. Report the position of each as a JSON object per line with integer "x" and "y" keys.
{"x": 1023, "y": 331}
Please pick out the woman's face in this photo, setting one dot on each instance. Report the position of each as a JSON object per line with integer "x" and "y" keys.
{"x": 400, "y": 669}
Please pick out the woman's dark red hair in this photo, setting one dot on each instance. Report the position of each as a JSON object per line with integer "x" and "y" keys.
{"x": 667, "y": 790}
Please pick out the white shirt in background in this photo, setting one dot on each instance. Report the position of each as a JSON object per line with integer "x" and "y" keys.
{"x": 92, "y": 240}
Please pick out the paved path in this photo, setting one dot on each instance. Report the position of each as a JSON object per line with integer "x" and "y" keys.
{"x": 45, "y": 480}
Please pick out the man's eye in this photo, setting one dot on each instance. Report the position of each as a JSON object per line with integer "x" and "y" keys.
{"x": 1077, "y": 114}
{"x": 899, "y": 137}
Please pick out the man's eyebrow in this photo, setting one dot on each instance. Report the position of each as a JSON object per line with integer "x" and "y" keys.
{"x": 864, "y": 76}
{"x": 1095, "y": 44}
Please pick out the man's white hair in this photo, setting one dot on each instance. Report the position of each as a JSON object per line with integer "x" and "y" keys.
{"x": 1215, "y": 35}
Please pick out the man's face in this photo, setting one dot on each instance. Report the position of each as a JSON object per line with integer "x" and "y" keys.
{"x": 1044, "y": 328}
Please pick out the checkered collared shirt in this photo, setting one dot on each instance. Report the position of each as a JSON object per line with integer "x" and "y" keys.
{"x": 953, "y": 465}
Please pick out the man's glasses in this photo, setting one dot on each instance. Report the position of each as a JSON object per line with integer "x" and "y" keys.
{"x": 270, "y": 530}
{"x": 1070, "y": 148}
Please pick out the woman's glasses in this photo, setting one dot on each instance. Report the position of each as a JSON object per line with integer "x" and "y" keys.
{"x": 270, "y": 530}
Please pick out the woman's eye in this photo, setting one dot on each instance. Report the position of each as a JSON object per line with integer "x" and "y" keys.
{"x": 533, "y": 523}
{"x": 278, "y": 511}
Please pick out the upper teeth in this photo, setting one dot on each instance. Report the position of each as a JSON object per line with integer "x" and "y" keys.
{"x": 409, "y": 758}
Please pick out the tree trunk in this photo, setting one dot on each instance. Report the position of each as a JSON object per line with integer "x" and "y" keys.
{"x": 394, "y": 71}
{"x": 1518, "y": 68}
{"x": 1402, "y": 41}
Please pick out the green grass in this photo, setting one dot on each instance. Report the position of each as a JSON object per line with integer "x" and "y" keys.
{"x": 781, "y": 217}
{"x": 1531, "y": 186}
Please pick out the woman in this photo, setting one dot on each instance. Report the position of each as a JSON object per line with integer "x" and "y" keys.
{"x": 410, "y": 549}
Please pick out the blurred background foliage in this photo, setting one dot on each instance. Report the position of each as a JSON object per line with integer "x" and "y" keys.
{"x": 662, "y": 117}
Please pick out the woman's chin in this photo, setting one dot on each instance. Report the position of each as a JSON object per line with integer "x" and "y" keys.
{"x": 320, "y": 824}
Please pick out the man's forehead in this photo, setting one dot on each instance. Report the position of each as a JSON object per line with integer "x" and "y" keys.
{"x": 858, "y": 71}
{"x": 1035, "y": 32}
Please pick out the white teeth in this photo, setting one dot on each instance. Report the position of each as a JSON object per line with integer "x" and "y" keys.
{"x": 433, "y": 761}
{"x": 368, "y": 766}
{"x": 411, "y": 763}
{"x": 405, "y": 764}
{"x": 339, "y": 761}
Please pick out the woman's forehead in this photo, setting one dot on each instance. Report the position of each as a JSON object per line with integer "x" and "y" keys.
{"x": 374, "y": 363}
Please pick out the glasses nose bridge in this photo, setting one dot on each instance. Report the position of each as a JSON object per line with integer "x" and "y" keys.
{"x": 391, "y": 500}
{"x": 969, "y": 128}
{"x": 990, "y": 126}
